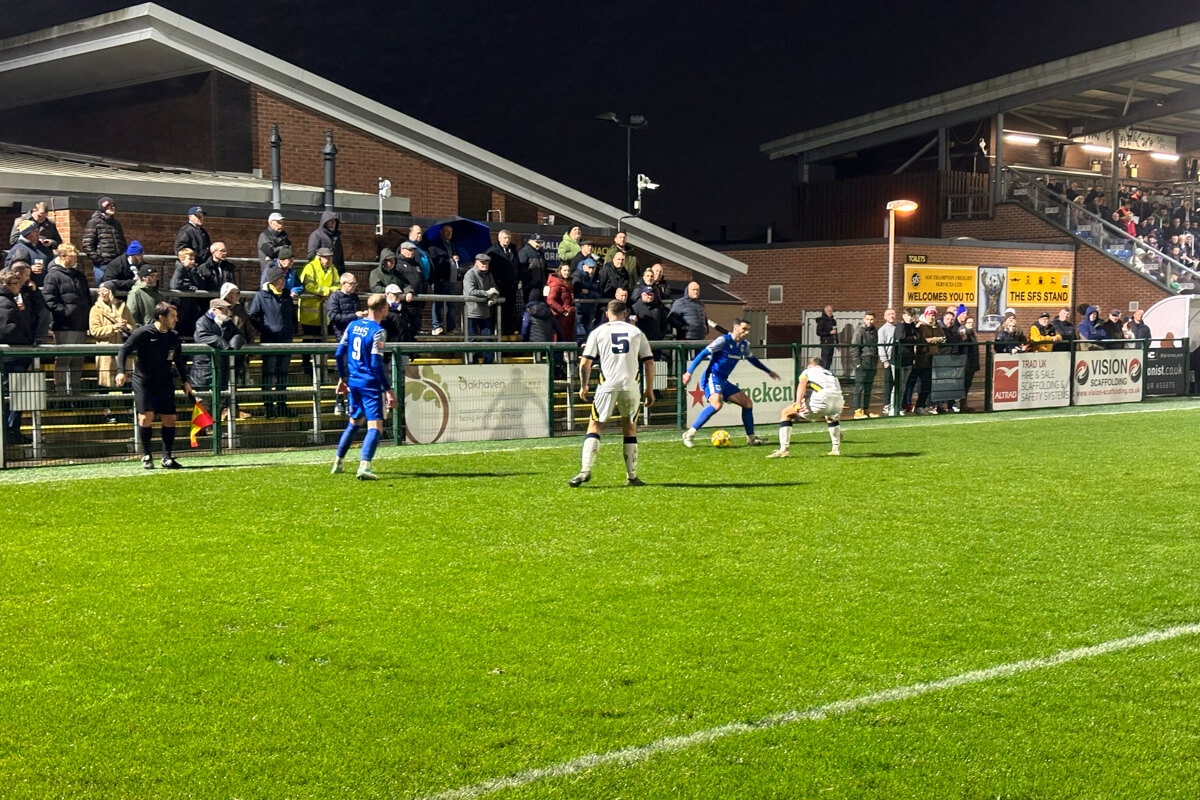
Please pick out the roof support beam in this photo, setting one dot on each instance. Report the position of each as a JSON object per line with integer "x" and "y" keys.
{"x": 1178, "y": 103}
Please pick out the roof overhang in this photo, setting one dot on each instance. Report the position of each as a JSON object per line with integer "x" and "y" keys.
{"x": 147, "y": 42}
{"x": 1112, "y": 87}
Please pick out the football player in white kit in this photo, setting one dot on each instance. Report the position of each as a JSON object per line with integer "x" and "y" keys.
{"x": 825, "y": 401}
{"x": 622, "y": 349}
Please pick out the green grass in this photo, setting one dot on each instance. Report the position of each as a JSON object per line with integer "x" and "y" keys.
{"x": 266, "y": 630}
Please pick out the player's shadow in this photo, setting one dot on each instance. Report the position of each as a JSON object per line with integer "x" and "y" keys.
{"x": 425, "y": 474}
{"x": 726, "y": 485}
{"x": 897, "y": 454}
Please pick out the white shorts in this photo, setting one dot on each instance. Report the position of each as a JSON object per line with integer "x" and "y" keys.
{"x": 825, "y": 404}
{"x": 624, "y": 402}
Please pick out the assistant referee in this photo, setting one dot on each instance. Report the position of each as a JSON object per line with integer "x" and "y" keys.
{"x": 157, "y": 348}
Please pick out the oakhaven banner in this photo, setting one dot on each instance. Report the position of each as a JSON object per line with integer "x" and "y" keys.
{"x": 471, "y": 403}
{"x": 769, "y": 395}
{"x": 1165, "y": 373}
{"x": 1108, "y": 376}
{"x": 1031, "y": 380}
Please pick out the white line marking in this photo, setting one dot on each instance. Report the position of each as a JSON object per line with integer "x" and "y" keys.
{"x": 106, "y": 470}
{"x": 628, "y": 756}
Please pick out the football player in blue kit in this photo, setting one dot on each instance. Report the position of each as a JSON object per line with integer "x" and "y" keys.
{"x": 725, "y": 353}
{"x": 362, "y": 375}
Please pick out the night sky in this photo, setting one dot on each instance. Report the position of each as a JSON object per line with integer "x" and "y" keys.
{"x": 525, "y": 80}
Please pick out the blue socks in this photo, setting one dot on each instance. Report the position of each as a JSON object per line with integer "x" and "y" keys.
{"x": 704, "y": 416}
{"x": 347, "y": 440}
{"x": 369, "y": 443}
{"x": 748, "y": 420}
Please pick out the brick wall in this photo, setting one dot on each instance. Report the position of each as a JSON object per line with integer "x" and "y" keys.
{"x": 361, "y": 159}
{"x": 1098, "y": 281}
{"x": 1012, "y": 223}
{"x": 854, "y": 276}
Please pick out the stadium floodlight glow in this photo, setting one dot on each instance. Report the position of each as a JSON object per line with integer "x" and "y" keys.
{"x": 904, "y": 207}
{"x": 1021, "y": 138}
{"x": 1172, "y": 157}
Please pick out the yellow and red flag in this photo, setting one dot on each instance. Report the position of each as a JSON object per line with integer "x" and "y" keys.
{"x": 201, "y": 419}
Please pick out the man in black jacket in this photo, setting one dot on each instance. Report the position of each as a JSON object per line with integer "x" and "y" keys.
{"x": 412, "y": 282}
{"x": 103, "y": 236}
{"x": 187, "y": 278}
{"x": 446, "y": 264}
{"x": 342, "y": 306}
{"x": 28, "y": 246}
{"x": 613, "y": 276}
{"x": 531, "y": 266}
{"x": 827, "y": 335}
{"x": 217, "y": 330}
{"x": 194, "y": 236}
{"x": 651, "y": 315}
{"x": 504, "y": 270}
{"x": 864, "y": 354}
{"x": 70, "y": 302}
{"x": 328, "y": 234}
{"x": 216, "y": 271}
{"x": 48, "y": 233}
{"x": 1064, "y": 328}
{"x": 270, "y": 240}
{"x": 688, "y": 316}
{"x": 273, "y": 315}
{"x": 17, "y": 326}
{"x": 122, "y": 270}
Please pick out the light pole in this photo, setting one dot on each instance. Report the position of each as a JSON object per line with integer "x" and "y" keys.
{"x": 903, "y": 206}
{"x": 635, "y": 122}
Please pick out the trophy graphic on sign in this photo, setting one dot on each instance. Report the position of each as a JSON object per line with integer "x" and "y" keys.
{"x": 991, "y": 282}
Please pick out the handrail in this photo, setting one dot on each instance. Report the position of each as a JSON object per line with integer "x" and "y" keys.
{"x": 1027, "y": 181}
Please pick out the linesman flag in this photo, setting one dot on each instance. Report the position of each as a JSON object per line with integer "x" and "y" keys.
{"x": 201, "y": 419}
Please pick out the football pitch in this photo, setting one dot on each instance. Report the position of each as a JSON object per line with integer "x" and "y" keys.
{"x": 992, "y": 606}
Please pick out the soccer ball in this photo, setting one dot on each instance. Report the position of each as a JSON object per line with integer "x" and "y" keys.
{"x": 720, "y": 439}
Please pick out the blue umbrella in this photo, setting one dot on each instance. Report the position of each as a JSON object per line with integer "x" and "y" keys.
{"x": 470, "y": 237}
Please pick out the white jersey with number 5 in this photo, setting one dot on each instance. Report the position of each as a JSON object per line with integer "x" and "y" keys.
{"x": 620, "y": 349}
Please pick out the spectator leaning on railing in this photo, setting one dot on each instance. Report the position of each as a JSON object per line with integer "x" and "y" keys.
{"x": 122, "y": 270}
{"x": 482, "y": 296}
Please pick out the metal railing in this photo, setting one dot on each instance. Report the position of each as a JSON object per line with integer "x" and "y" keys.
{"x": 1090, "y": 228}
{"x": 252, "y": 412}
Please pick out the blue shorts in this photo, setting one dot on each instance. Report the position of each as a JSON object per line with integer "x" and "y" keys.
{"x": 714, "y": 385}
{"x": 366, "y": 402}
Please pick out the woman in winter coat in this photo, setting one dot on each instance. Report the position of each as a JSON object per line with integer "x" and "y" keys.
{"x": 109, "y": 322}
{"x": 561, "y": 299}
{"x": 1010, "y": 338}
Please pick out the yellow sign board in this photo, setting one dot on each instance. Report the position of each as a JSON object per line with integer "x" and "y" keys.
{"x": 1038, "y": 288}
{"x": 939, "y": 285}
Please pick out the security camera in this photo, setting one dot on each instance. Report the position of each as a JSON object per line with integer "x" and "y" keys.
{"x": 645, "y": 183}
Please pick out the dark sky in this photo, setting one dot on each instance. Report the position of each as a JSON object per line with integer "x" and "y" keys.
{"x": 715, "y": 81}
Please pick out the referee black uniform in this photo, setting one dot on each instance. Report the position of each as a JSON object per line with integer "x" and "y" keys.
{"x": 158, "y": 352}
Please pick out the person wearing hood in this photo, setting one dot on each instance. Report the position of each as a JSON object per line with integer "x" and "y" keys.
{"x": 328, "y": 235}
{"x": 193, "y": 235}
{"x": 504, "y": 270}
{"x": 69, "y": 300}
{"x": 144, "y": 295}
{"x": 412, "y": 282}
{"x": 103, "y": 236}
{"x": 109, "y": 322}
{"x": 270, "y": 240}
{"x": 384, "y": 274}
{"x": 273, "y": 315}
{"x": 1090, "y": 331}
{"x": 122, "y": 270}
{"x": 537, "y": 324}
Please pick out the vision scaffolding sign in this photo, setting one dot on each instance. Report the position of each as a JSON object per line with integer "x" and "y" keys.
{"x": 1031, "y": 380}
{"x": 1109, "y": 376}
{"x": 472, "y": 403}
{"x": 769, "y": 395}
